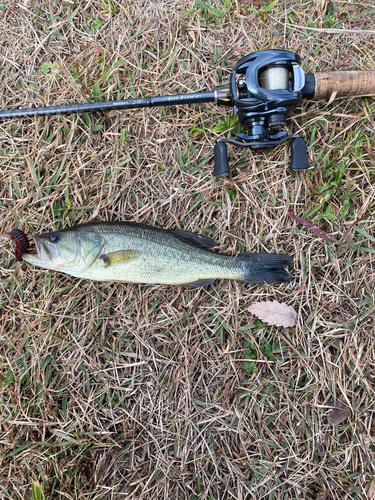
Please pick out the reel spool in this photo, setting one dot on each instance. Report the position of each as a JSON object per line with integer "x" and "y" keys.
{"x": 264, "y": 88}
{"x": 274, "y": 78}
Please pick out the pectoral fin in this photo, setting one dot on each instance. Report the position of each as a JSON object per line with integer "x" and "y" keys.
{"x": 120, "y": 257}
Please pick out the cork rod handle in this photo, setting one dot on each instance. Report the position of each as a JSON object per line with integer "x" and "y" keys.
{"x": 344, "y": 83}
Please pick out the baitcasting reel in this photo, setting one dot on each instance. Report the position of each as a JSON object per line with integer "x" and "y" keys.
{"x": 263, "y": 89}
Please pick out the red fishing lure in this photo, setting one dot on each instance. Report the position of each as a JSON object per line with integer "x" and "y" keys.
{"x": 21, "y": 242}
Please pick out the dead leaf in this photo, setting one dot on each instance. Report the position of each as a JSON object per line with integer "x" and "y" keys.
{"x": 332, "y": 98}
{"x": 274, "y": 313}
{"x": 301, "y": 287}
{"x": 313, "y": 228}
{"x": 339, "y": 413}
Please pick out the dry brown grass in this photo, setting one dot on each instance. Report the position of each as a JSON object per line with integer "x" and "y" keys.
{"x": 112, "y": 391}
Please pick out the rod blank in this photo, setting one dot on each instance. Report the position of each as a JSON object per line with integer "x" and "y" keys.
{"x": 91, "y": 107}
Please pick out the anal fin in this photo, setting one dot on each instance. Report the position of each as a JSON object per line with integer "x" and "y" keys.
{"x": 120, "y": 257}
{"x": 199, "y": 283}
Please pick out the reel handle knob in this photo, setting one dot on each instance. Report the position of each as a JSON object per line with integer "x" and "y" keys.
{"x": 298, "y": 160}
{"x": 221, "y": 165}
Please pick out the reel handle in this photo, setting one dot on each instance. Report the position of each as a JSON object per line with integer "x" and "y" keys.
{"x": 221, "y": 165}
{"x": 298, "y": 158}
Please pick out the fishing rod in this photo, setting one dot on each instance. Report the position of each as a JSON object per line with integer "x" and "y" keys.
{"x": 263, "y": 89}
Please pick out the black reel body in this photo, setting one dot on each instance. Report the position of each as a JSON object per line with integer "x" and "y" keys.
{"x": 264, "y": 88}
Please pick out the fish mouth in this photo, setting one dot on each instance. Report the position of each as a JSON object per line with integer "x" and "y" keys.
{"x": 43, "y": 252}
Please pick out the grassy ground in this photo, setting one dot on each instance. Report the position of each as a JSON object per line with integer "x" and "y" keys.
{"x": 112, "y": 391}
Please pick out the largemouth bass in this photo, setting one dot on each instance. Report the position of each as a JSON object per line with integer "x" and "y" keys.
{"x": 136, "y": 253}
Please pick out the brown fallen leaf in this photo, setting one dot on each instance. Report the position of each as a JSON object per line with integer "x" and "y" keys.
{"x": 315, "y": 229}
{"x": 274, "y": 313}
{"x": 339, "y": 413}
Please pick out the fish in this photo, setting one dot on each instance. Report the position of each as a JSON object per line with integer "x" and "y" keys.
{"x": 137, "y": 253}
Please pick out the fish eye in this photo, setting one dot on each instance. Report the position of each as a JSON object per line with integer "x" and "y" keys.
{"x": 54, "y": 237}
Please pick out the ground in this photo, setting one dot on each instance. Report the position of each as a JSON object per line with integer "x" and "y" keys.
{"x": 111, "y": 390}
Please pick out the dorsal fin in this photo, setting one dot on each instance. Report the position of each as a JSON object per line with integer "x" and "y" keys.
{"x": 203, "y": 241}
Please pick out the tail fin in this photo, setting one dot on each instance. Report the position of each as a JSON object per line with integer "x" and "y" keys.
{"x": 265, "y": 267}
